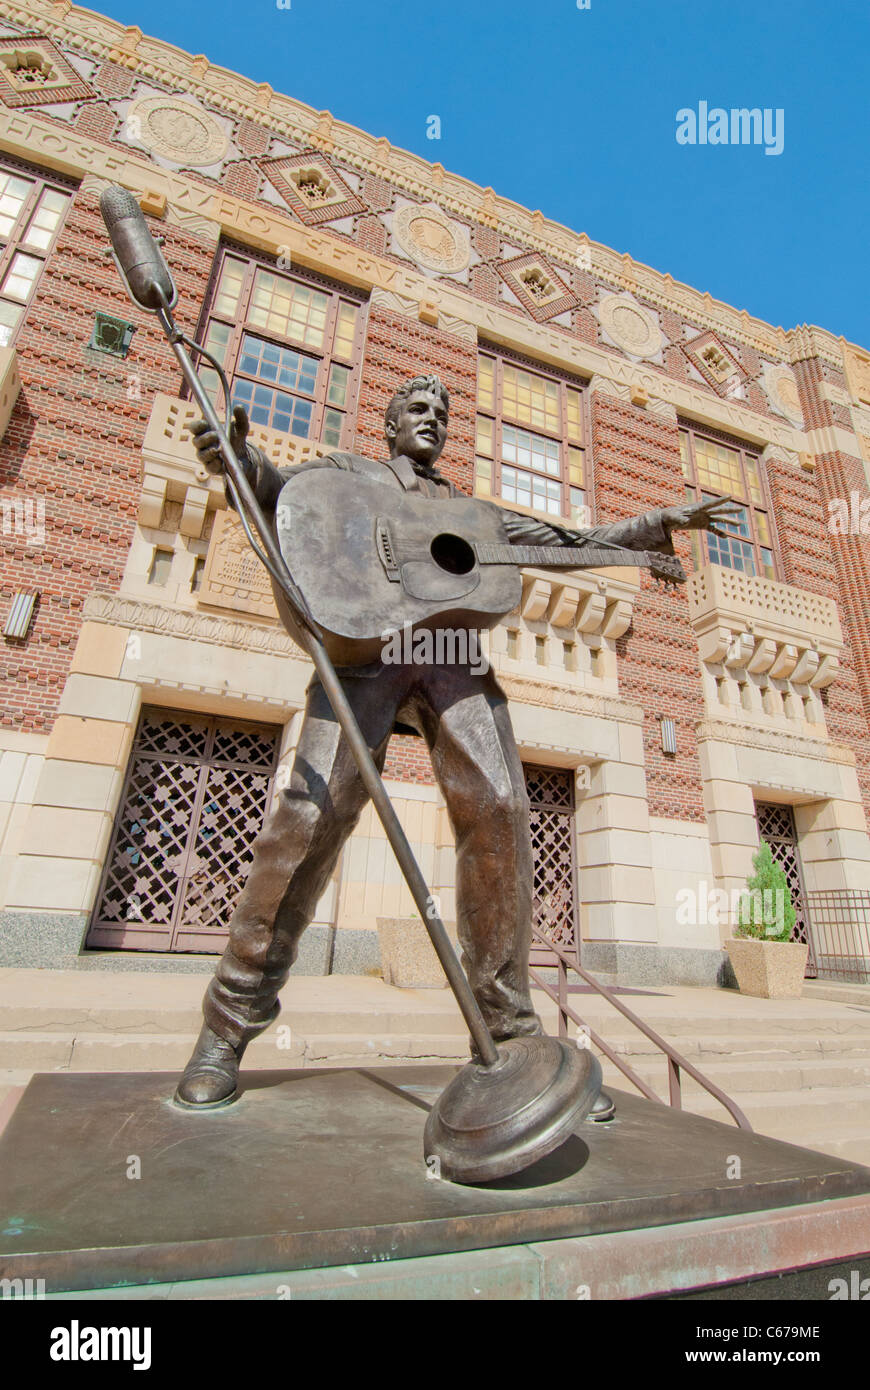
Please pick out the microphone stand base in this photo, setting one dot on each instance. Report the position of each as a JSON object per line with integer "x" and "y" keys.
{"x": 492, "y": 1122}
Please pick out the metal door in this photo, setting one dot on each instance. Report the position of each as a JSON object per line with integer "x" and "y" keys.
{"x": 551, "y": 816}
{"x": 194, "y": 800}
{"x": 777, "y": 828}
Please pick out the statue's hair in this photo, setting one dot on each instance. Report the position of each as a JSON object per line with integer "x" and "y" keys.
{"x": 419, "y": 383}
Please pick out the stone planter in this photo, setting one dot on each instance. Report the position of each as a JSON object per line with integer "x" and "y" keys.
{"x": 768, "y": 969}
{"x": 408, "y": 958}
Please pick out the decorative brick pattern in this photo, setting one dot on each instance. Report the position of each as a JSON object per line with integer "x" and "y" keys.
{"x": 585, "y": 324}
{"x": 292, "y": 175}
{"x": 74, "y": 441}
{"x": 98, "y": 119}
{"x": 44, "y": 74}
{"x": 408, "y": 760}
{"x": 243, "y": 179}
{"x": 539, "y": 288}
{"x": 814, "y": 561}
{"x": 252, "y": 139}
{"x": 114, "y": 81}
{"x": 371, "y": 234}
{"x": 637, "y": 467}
{"x": 485, "y": 283}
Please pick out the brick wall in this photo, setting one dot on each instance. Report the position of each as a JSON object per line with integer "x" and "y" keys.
{"x": 809, "y": 561}
{"x": 408, "y": 760}
{"x": 75, "y": 440}
{"x": 637, "y": 467}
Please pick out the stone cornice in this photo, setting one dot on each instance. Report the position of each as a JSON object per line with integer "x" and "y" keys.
{"x": 531, "y": 692}
{"x": 774, "y": 742}
{"x": 141, "y": 616}
{"x": 163, "y": 63}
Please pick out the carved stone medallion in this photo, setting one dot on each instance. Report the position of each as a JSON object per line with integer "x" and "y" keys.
{"x": 857, "y": 365}
{"x": 177, "y": 130}
{"x": 431, "y": 239}
{"x": 782, "y": 392}
{"x": 629, "y": 326}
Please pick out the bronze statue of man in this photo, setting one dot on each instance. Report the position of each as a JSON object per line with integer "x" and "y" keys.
{"x": 461, "y": 713}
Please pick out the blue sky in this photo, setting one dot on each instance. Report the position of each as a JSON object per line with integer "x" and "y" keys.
{"x": 574, "y": 112}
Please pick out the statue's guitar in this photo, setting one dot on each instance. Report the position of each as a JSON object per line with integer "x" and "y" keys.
{"x": 370, "y": 559}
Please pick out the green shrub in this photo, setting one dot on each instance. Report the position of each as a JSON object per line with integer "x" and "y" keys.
{"x": 765, "y": 910}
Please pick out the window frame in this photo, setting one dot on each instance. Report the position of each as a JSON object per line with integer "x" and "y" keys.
{"x": 326, "y": 357}
{"x": 698, "y": 491}
{"x": 565, "y": 381}
{"x": 10, "y": 246}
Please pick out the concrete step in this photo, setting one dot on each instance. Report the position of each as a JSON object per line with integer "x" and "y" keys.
{"x": 855, "y": 1148}
{"x": 839, "y": 992}
{"x": 738, "y": 1078}
{"x": 753, "y": 1047}
{"x": 791, "y": 1114}
{"x": 44, "y": 1019}
{"x": 835, "y": 1121}
{"x": 740, "y": 1071}
{"x": 766, "y": 1022}
{"x": 98, "y": 1052}
{"x": 409, "y": 1013}
{"x": 758, "y": 1055}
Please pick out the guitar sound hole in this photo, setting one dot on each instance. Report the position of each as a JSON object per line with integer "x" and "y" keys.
{"x": 452, "y": 553}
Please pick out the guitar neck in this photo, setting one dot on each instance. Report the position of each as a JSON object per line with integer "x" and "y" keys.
{"x": 564, "y": 556}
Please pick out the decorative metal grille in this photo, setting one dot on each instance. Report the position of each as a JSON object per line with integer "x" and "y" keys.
{"x": 551, "y": 818}
{"x": 777, "y": 828}
{"x": 195, "y": 797}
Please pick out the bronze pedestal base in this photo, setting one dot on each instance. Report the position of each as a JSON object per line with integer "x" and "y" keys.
{"x": 313, "y": 1169}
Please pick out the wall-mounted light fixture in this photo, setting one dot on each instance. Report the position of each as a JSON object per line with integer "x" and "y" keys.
{"x": 111, "y": 335}
{"x": 21, "y": 613}
{"x": 669, "y": 735}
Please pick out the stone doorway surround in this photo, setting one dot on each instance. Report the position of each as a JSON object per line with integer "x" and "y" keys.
{"x": 767, "y": 651}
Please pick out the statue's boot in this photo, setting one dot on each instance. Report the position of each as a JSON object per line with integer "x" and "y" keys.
{"x": 603, "y": 1108}
{"x": 211, "y": 1076}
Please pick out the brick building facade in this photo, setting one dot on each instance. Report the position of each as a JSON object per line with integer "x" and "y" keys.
{"x": 148, "y": 668}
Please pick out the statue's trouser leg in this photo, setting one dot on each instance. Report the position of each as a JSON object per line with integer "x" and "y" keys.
{"x": 475, "y": 758}
{"x": 293, "y": 860}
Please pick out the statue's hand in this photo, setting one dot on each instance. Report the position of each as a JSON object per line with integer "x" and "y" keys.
{"x": 205, "y": 441}
{"x": 702, "y": 516}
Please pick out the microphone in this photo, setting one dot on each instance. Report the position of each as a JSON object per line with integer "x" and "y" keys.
{"x": 137, "y": 255}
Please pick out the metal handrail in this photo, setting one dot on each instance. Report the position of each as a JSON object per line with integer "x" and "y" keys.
{"x": 676, "y": 1061}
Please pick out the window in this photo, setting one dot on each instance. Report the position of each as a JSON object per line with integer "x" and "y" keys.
{"x": 713, "y": 468}
{"x": 31, "y": 212}
{"x": 288, "y": 346}
{"x": 530, "y": 439}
